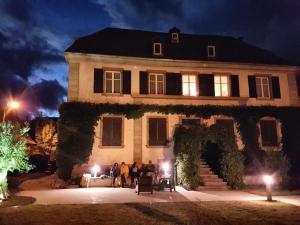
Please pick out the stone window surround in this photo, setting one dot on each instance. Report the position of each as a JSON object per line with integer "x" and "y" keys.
{"x": 279, "y": 135}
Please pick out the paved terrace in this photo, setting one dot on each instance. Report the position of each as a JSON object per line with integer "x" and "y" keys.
{"x": 126, "y": 195}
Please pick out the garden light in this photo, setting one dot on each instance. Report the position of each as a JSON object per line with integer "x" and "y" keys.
{"x": 166, "y": 168}
{"x": 95, "y": 169}
{"x": 269, "y": 182}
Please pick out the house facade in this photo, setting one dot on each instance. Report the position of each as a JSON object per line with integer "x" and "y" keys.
{"x": 119, "y": 66}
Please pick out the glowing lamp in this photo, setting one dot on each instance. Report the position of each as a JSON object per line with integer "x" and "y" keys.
{"x": 13, "y": 105}
{"x": 268, "y": 179}
{"x": 268, "y": 182}
{"x": 166, "y": 168}
{"x": 95, "y": 169}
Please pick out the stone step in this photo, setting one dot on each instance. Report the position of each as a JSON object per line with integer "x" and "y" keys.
{"x": 211, "y": 179}
{"x": 206, "y": 188}
{"x": 214, "y": 183}
{"x": 209, "y": 176}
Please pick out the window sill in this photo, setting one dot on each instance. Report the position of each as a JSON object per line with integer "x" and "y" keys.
{"x": 108, "y": 147}
{"x": 157, "y": 146}
{"x": 264, "y": 99}
{"x": 112, "y": 94}
{"x": 189, "y": 97}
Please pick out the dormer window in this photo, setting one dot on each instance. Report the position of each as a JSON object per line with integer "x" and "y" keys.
{"x": 175, "y": 37}
{"x": 211, "y": 51}
{"x": 157, "y": 48}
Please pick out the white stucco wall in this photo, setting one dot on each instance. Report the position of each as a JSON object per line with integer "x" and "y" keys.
{"x": 104, "y": 155}
{"x": 88, "y": 63}
{"x": 81, "y": 89}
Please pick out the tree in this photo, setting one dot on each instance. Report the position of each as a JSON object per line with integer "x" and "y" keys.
{"x": 13, "y": 155}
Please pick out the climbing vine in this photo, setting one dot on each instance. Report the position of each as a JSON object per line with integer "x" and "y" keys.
{"x": 190, "y": 143}
{"x": 78, "y": 120}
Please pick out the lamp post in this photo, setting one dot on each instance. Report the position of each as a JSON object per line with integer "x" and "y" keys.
{"x": 12, "y": 105}
{"x": 269, "y": 182}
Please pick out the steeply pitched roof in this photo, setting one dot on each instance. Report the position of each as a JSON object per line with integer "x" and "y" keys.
{"x": 137, "y": 43}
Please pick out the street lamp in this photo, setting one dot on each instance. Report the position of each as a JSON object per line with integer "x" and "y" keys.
{"x": 12, "y": 105}
{"x": 269, "y": 182}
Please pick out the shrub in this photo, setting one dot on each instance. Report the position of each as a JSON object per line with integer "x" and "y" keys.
{"x": 187, "y": 171}
{"x": 277, "y": 163}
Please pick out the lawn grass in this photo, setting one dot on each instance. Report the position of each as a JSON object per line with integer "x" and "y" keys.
{"x": 208, "y": 213}
{"x": 276, "y": 192}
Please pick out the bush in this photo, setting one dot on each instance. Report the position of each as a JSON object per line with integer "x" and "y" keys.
{"x": 232, "y": 168}
{"x": 187, "y": 171}
{"x": 277, "y": 163}
{"x": 190, "y": 143}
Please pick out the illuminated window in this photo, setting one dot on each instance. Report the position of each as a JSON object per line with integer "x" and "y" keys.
{"x": 112, "y": 82}
{"x": 211, "y": 51}
{"x": 175, "y": 37}
{"x": 157, "y": 49}
{"x": 262, "y": 87}
{"x": 156, "y": 84}
{"x": 221, "y": 86}
{"x": 189, "y": 86}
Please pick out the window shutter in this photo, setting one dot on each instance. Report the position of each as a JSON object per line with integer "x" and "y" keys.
{"x": 157, "y": 131}
{"x": 117, "y": 132}
{"x": 268, "y": 132}
{"x": 126, "y": 82}
{"x": 173, "y": 84}
{"x": 98, "y": 81}
{"x": 206, "y": 85}
{"x": 143, "y": 82}
{"x": 107, "y": 131}
{"x": 275, "y": 87}
{"x": 162, "y": 131}
{"x": 152, "y": 131}
{"x": 252, "y": 87}
{"x": 112, "y": 131}
{"x": 298, "y": 83}
{"x": 235, "y": 88}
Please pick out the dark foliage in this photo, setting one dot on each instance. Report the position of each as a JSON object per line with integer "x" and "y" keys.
{"x": 77, "y": 122}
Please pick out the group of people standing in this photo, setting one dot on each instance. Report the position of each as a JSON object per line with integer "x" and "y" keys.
{"x": 134, "y": 171}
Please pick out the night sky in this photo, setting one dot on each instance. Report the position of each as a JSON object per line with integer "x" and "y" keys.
{"x": 34, "y": 35}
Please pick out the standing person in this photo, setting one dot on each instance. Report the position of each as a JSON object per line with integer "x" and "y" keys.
{"x": 134, "y": 173}
{"x": 114, "y": 173}
{"x": 124, "y": 171}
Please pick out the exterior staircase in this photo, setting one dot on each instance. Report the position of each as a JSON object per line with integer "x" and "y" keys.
{"x": 211, "y": 181}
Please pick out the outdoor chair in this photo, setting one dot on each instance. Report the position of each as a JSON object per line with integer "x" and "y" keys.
{"x": 145, "y": 184}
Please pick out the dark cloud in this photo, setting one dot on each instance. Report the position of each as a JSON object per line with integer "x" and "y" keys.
{"x": 271, "y": 24}
{"x": 25, "y": 47}
{"x": 149, "y": 14}
{"x": 49, "y": 94}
